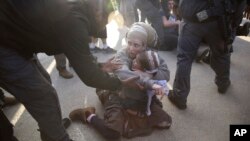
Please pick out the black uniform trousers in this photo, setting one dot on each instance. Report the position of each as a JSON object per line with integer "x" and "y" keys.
{"x": 30, "y": 83}
{"x": 190, "y": 37}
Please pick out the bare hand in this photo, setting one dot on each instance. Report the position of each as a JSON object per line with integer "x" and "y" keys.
{"x": 111, "y": 65}
{"x": 158, "y": 89}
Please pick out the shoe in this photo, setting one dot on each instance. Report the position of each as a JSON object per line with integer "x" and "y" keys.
{"x": 95, "y": 49}
{"x": 9, "y": 101}
{"x": 66, "y": 122}
{"x": 65, "y": 74}
{"x": 109, "y": 50}
{"x": 222, "y": 88}
{"x": 245, "y": 28}
{"x": 176, "y": 101}
{"x": 81, "y": 114}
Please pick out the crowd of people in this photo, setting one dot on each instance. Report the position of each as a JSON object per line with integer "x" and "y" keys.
{"x": 128, "y": 84}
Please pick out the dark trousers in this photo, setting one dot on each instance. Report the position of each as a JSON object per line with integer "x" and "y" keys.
{"x": 170, "y": 42}
{"x": 189, "y": 40}
{"x": 1, "y": 97}
{"x": 6, "y": 128}
{"x": 60, "y": 61}
{"x": 29, "y": 82}
{"x": 153, "y": 15}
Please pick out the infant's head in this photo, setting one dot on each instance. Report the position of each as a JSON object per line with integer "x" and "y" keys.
{"x": 147, "y": 61}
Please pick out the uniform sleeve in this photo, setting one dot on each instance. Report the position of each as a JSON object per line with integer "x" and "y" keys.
{"x": 143, "y": 80}
{"x": 72, "y": 34}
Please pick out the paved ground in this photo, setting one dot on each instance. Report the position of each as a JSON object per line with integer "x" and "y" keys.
{"x": 207, "y": 117}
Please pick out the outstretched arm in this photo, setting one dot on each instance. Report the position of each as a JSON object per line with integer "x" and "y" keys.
{"x": 73, "y": 36}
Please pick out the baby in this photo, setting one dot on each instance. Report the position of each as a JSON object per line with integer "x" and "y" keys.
{"x": 147, "y": 63}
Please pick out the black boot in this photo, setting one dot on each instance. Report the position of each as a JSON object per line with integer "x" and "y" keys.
{"x": 176, "y": 101}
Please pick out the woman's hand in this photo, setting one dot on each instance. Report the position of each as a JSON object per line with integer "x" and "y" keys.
{"x": 159, "y": 90}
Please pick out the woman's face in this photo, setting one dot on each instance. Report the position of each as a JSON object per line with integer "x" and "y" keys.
{"x": 134, "y": 47}
{"x": 171, "y": 4}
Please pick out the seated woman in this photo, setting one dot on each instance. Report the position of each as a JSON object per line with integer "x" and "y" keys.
{"x": 117, "y": 120}
{"x": 145, "y": 65}
{"x": 171, "y": 22}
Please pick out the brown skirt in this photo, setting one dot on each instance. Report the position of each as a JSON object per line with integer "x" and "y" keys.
{"x": 116, "y": 117}
{"x": 129, "y": 125}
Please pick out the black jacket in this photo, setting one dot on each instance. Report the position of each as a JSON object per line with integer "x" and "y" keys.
{"x": 53, "y": 26}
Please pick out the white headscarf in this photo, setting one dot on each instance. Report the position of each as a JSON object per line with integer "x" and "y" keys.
{"x": 144, "y": 32}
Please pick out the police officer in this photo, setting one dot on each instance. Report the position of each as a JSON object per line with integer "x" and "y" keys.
{"x": 201, "y": 20}
{"x": 55, "y": 26}
{"x": 6, "y": 128}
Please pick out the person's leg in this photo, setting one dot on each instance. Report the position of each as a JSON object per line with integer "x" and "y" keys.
{"x": 87, "y": 115}
{"x": 41, "y": 68}
{"x": 153, "y": 15}
{"x": 100, "y": 126}
{"x": 159, "y": 118}
{"x": 92, "y": 45}
{"x": 103, "y": 35}
{"x": 220, "y": 58}
{"x": 6, "y": 100}
{"x": 1, "y": 98}
{"x": 188, "y": 45}
{"x": 103, "y": 95}
{"x": 6, "y": 128}
{"x": 170, "y": 41}
{"x": 22, "y": 78}
{"x": 61, "y": 66}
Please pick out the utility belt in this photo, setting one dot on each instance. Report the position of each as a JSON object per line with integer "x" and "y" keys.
{"x": 195, "y": 20}
{"x": 207, "y": 15}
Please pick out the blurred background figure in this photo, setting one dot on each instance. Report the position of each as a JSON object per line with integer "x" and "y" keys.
{"x": 129, "y": 11}
{"x": 61, "y": 61}
{"x": 6, "y": 128}
{"x": 171, "y": 21}
{"x": 111, "y": 6}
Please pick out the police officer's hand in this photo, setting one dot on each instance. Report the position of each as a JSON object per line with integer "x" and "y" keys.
{"x": 111, "y": 65}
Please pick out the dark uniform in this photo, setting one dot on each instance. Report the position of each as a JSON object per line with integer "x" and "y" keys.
{"x": 54, "y": 26}
{"x": 191, "y": 34}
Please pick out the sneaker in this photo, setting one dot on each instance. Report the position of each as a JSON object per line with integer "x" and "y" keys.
{"x": 176, "y": 101}
{"x": 65, "y": 74}
{"x": 95, "y": 49}
{"x": 109, "y": 50}
{"x": 81, "y": 114}
{"x": 9, "y": 101}
{"x": 222, "y": 88}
